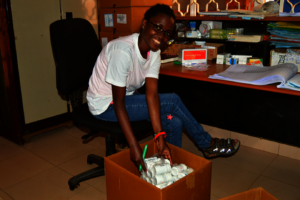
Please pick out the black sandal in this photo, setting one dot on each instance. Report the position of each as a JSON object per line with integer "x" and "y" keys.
{"x": 221, "y": 148}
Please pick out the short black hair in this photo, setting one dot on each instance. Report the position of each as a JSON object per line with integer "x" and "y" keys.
{"x": 158, "y": 9}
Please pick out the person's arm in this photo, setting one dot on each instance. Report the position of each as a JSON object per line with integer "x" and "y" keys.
{"x": 122, "y": 116}
{"x": 153, "y": 103}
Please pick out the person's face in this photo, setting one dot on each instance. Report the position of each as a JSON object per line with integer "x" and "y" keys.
{"x": 154, "y": 31}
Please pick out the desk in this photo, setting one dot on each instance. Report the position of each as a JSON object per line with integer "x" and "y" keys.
{"x": 260, "y": 111}
{"x": 171, "y": 69}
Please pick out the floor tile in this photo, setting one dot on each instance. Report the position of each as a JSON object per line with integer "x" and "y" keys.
{"x": 256, "y": 143}
{"x": 76, "y": 132}
{"x": 47, "y": 138}
{"x": 58, "y": 152}
{"x": 228, "y": 180}
{"x": 219, "y": 133}
{"x": 79, "y": 165}
{"x": 101, "y": 185}
{"x": 90, "y": 194}
{"x": 188, "y": 145}
{"x": 9, "y": 149}
{"x": 289, "y": 151}
{"x": 50, "y": 185}
{"x": 4, "y": 196}
{"x": 250, "y": 159}
{"x": 284, "y": 169}
{"x": 278, "y": 189}
{"x": 21, "y": 167}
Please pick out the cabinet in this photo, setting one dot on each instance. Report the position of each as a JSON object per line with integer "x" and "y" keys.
{"x": 251, "y": 27}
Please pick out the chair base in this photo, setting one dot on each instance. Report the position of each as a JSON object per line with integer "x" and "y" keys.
{"x": 92, "y": 173}
{"x": 92, "y": 158}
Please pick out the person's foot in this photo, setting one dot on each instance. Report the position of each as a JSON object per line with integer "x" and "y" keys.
{"x": 212, "y": 142}
{"x": 221, "y": 148}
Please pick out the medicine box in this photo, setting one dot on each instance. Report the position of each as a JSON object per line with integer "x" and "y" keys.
{"x": 221, "y": 58}
{"x": 242, "y": 58}
{"x": 123, "y": 179}
{"x": 256, "y": 193}
{"x": 192, "y": 56}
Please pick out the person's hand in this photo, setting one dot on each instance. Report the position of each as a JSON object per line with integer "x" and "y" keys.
{"x": 136, "y": 156}
{"x": 163, "y": 149}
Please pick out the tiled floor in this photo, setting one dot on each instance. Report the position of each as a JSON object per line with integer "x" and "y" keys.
{"x": 40, "y": 169}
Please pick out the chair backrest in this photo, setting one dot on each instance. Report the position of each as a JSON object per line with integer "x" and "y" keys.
{"x": 75, "y": 49}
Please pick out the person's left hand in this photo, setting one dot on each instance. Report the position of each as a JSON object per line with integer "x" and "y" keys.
{"x": 163, "y": 149}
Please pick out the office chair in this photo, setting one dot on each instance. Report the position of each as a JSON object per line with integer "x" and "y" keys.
{"x": 75, "y": 48}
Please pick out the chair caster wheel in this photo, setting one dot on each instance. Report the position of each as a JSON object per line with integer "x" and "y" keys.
{"x": 72, "y": 187}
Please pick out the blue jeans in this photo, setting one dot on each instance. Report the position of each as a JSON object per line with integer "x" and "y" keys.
{"x": 174, "y": 117}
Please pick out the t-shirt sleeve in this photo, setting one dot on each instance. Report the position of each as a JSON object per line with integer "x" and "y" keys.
{"x": 119, "y": 63}
{"x": 155, "y": 66}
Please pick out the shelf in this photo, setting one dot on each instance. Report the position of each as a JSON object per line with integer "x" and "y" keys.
{"x": 208, "y": 40}
{"x": 211, "y": 18}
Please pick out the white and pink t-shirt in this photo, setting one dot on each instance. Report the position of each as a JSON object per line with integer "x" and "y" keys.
{"x": 120, "y": 63}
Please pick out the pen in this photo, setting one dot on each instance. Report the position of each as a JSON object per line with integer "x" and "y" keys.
{"x": 144, "y": 154}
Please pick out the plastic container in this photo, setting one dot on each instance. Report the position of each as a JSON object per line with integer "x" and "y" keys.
{"x": 161, "y": 169}
{"x": 202, "y": 43}
{"x": 176, "y": 170}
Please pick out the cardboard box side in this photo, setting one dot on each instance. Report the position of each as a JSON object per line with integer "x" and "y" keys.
{"x": 122, "y": 184}
{"x": 266, "y": 195}
{"x": 256, "y": 193}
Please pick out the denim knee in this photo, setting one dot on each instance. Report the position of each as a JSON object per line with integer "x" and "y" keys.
{"x": 173, "y": 127}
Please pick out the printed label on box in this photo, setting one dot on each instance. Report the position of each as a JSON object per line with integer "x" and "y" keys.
{"x": 104, "y": 41}
{"x": 194, "y": 55}
{"x": 109, "y": 22}
{"x": 121, "y": 19}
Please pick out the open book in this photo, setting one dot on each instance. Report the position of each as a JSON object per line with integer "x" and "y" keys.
{"x": 260, "y": 75}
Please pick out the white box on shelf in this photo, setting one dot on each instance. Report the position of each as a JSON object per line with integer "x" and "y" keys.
{"x": 221, "y": 58}
{"x": 242, "y": 58}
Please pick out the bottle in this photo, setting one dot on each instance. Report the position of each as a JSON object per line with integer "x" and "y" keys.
{"x": 193, "y": 8}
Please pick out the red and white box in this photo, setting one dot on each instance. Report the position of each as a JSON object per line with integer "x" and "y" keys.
{"x": 189, "y": 57}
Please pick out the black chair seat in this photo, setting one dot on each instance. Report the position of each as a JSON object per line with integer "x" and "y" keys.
{"x": 82, "y": 116}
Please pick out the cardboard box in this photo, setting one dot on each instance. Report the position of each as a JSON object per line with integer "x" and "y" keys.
{"x": 173, "y": 49}
{"x": 282, "y": 56}
{"x": 123, "y": 180}
{"x": 122, "y": 19}
{"x": 131, "y": 3}
{"x": 213, "y": 50}
{"x": 254, "y": 194}
{"x": 106, "y": 37}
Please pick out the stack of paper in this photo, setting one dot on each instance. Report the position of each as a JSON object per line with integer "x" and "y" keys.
{"x": 259, "y": 75}
{"x": 284, "y": 34}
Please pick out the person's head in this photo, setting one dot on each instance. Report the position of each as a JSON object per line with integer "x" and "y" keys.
{"x": 158, "y": 26}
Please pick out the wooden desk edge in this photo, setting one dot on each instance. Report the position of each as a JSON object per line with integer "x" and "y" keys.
{"x": 195, "y": 75}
